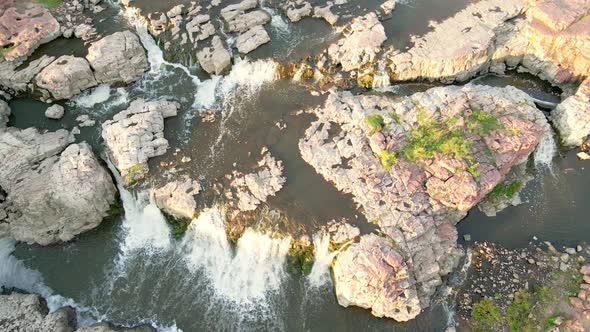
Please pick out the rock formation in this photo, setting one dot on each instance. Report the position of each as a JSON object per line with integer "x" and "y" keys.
{"x": 252, "y": 39}
{"x": 55, "y": 190}
{"x": 55, "y": 112}
{"x": 326, "y": 13}
{"x": 254, "y": 188}
{"x": 215, "y": 59}
{"x": 296, "y": 10}
{"x": 416, "y": 165}
{"x": 571, "y": 118}
{"x": 177, "y": 198}
{"x": 137, "y": 134}
{"x": 371, "y": 274}
{"x": 29, "y": 313}
{"x": 361, "y": 43}
{"x": 65, "y": 77}
{"x": 117, "y": 58}
{"x": 4, "y": 114}
{"x": 23, "y": 28}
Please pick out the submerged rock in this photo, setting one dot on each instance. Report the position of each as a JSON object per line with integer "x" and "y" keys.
{"x": 252, "y": 39}
{"x": 215, "y": 59}
{"x": 177, "y": 198}
{"x": 25, "y": 28}
{"x": 416, "y": 190}
{"x": 361, "y": 43}
{"x": 117, "y": 58}
{"x": 65, "y": 77}
{"x": 137, "y": 134}
{"x": 370, "y": 274}
{"x": 55, "y": 190}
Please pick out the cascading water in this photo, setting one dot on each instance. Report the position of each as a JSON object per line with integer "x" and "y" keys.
{"x": 545, "y": 152}
{"x": 247, "y": 277}
{"x": 320, "y": 272}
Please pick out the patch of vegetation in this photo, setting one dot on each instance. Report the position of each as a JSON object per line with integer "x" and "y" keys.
{"x": 388, "y": 159}
{"x": 482, "y": 123}
{"x": 550, "y": 322}
{"x": 376, "y": 122}
{"x": 431, "y": 137}
{"x": 6, "y": 49}
{"x": 366, "y": 81}
{"x": 302, "y": 258}
{"x": 504, "y": 190}
{"x": 135, "y": 172}
{"x": 473, "y": 168}
{"x": 178, "y": 226}
{"x": 50, "y": 3}
{"x": 485, "y": 314}
{"x": 396, "y": 118}
{"x": 517, "y": 313}
{"x": 116, "y": 208}
{"x": 573, "y": 286}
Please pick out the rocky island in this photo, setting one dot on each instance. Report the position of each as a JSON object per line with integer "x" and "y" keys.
{"x": 258, "y": 165}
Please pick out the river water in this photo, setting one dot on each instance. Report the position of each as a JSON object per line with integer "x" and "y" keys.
{"x": 131, "y": 270}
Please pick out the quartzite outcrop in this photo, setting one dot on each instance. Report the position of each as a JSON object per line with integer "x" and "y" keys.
{"x": 425, "y": 161}
{"x": 137, "y": 134}
{"x": 55, "y": 190}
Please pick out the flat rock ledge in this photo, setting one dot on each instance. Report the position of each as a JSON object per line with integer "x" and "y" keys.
{"x": 53, "y": 190}
{"x": 548, "y": 38}
{"x": 137, "y": 134}
{"x": 29, "y": 313}
{"x": 252, "y": 189}
{"x": 361, "y": 43}
{"x": 377, "y": 149}
{"x": 177, "y": 198}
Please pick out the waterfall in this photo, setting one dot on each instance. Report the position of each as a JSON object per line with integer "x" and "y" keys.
{"x": 545, "y": 152}
{"x": 155, "y": 54}
{"x": 320, "y": 272}
{"x": 247, "y": 276}
{"x": 279, "y": 24}
{"x": 448, "y": 293}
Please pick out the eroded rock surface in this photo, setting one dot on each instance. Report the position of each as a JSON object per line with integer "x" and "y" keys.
{"x": 177, "y": 198}
{"x": 252, "y": 39}
{"x": 215, "y": 59}
{"x": 55, "y": 190}
{"x": 117, "y": 58}
{"x": 361, "y": 43}
{"x": 431, "y": 158}
{"x": 137, "y": 134}
{"x": 371, "y": 274}
{"x": 255, "y": 188}
{"x": 24, "y": 27}
{"x": 65, "y": 77}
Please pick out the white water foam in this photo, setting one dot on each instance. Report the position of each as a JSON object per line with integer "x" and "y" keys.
{"x": 320, "y": 272}
{"x": 248, "y": 76}
{"x": 256, "y": 269}
{"x": 98, "y": 95}
{"x": 545, "y": 152}
{"x": 279, "y": 24}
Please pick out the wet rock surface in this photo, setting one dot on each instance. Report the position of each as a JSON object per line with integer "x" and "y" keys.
{"x": 55, "y": 190}
{"x": 177, "y": 198}
{"x": 416, "y": 197}
{"x": 137, "y": 134}
{"x": 215, "y": 59}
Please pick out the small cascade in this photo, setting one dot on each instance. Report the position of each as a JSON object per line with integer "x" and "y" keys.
{"x": 545, "y": 152}
{"x": 448, "y": 292}
{"x": 98, "y": 95}
{"x": 381, "y": 78}
{"x": 278, "y": 23}
{"x": 155, "y": 54}
{"x": 14, "y": 273}
{"x": 247, "y": 276}
{"x": 320, "y": 272}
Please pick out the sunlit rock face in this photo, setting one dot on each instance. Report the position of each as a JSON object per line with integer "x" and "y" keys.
{"x": 137, "y": 134}
{"x": 25, "y": 27}
{"x": 431, "y": 158}
{"x": 54, "y": 190}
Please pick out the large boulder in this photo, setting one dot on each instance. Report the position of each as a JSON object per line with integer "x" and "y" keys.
{"x": 571, "y": 118}
{"x": 215, "y": 59}
{"x": 361, "y": 43}
{"x": 137, "y": 134}
{"x": 371, "y": 274}
{"x": 23, "y": 28}
{"x": 117, "y": 58}
{"x": 177, "y": 198}
{"x": 252, "y": 39}
{"x": 65, "y": 77}
{"x": 418, "y": 164}
{"x": 29, "y": 313}
{"x": 297, "y": 9}
{"x": 15, "y": 79}
{"x": 54, "y": 190}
